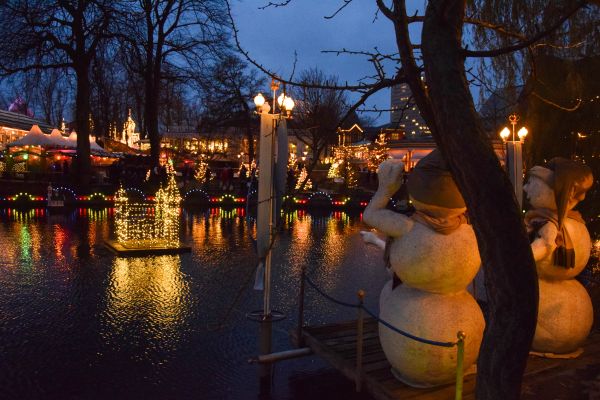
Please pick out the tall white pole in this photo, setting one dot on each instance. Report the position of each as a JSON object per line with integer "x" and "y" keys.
{"x": 515, "y": 168}
{"x": 265, "y": 202}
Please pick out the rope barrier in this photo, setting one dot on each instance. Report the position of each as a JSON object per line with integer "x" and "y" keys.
{"x": 408, "y": 335}
{"x": 383, "y": 322}
{"x": 328, "y": 297}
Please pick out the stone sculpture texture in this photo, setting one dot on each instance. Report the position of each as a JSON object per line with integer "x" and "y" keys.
{"x": 561, "y": 247}
{"x": 433, "y": 256}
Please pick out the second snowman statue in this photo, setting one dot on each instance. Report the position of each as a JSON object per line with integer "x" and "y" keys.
{"x": 561, "y": 247}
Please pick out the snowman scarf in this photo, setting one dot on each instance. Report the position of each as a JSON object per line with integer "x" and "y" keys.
{"x": 441, "y": 219}
{"x": 564, "y": 254}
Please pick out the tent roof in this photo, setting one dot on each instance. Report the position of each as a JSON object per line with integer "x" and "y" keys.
{"x": 58, "y": 138}
{"x": 94, "y": 147}
{"x": 35, "y": 137}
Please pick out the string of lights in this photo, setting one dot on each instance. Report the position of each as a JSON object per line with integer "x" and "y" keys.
{"x": 141, "y": 225}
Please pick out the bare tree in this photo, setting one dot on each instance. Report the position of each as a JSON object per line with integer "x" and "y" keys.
{"x": 226, "y": 90}
{"x": 318, "y": 112}
{"x": 45, "y": 91}
{"x": 57, "y": 35}
{"x": 110, "y": 91}
{"x": 177, "y": 33}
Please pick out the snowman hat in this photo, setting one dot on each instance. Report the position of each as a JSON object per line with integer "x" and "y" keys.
{"x": 569, "y": 179}
{"x": 431, "y": 183}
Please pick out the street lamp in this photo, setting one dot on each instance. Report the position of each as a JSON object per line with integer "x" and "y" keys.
{"x": 273, "y": 160}
{"x": 514, "y": 154}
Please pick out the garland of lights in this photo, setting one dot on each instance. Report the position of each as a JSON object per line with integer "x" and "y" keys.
{"x": 189, "y": 192}
{"x": 19, "y": 167}
{"x": 322, "y": 194}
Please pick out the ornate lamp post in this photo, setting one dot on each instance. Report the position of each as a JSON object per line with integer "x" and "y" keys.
{"x": 514, "y": 153}
{"x": 273, "y": 160}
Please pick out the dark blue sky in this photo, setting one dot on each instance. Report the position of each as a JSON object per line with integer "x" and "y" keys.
{"x": 273, "y": 34}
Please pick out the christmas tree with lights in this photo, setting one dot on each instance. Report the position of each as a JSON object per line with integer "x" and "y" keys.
{"x": 378, "y": 153}
{"x": 303, "y": 176}
{"x": 200, "y": 172}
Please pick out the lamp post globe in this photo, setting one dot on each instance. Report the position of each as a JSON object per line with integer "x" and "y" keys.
{"x": 522, "y": 133}
{"x": 288, "y": 104}
{"x": 280, "y": 99}
{"x": 259, "y": 100}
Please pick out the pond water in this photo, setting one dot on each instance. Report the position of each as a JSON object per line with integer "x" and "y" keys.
{"x": 76, "y": 322}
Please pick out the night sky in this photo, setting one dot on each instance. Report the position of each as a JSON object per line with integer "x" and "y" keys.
{"x": 272, "y": 35}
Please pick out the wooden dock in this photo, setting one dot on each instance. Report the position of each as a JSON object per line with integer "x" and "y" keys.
{"x": 336, "y": 343}
{"x": 150, "y": 250}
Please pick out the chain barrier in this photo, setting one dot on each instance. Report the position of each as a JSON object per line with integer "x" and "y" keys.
{"x": 376, "y": 317}
{"x": 460, "y": 343}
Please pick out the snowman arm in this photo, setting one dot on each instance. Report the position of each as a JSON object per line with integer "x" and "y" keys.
{"x": 371, "y": 238}
{"x": 545, "y": 244}
{"x": 386, "y": 221}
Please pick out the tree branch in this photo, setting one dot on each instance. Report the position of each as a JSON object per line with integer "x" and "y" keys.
{"x": 359, "y": 88}
{"x": 340, "y": 8}
{"x": 528, "y": 42}
{"x": 400, "y": 78}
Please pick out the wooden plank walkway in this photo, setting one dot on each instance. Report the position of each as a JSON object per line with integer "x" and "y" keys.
{"x": 336, "y": 343}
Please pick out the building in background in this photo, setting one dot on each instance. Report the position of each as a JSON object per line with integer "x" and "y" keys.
{"x": 14, "y": 126}
{"x": 405, "y": 115}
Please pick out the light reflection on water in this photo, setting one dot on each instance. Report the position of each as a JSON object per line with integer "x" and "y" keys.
{"x": 78, "y": 322}
{"x": 149, "y": 292}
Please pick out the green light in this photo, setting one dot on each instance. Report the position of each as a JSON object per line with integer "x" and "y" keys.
{"x": 25, "y": 156}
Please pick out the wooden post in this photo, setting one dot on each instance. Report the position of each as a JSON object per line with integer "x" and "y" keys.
{"x": 265, "y": 370}
{"x": 299, "y": 338}
{"x": 359, "y": 341}
{"x": 460, "y": 350}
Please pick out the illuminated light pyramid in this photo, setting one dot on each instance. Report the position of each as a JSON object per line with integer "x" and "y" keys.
{"x": 147, "y": 229}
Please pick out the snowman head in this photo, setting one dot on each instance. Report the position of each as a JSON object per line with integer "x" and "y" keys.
{"x": 432, "y": 188}
{"x": 559, "y": 185}
{"x": 538, "y": 188}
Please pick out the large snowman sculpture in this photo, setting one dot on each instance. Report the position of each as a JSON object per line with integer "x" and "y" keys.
{"x": 433, "y": 256}
{"x": 561, "y": 247}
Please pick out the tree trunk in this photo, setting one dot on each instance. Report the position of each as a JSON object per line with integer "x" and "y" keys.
{"x": 151, "y": 119}
{"x": 250, "y": 139}
{"x": 83, "y": 165}
{"x": 510, "y": 274}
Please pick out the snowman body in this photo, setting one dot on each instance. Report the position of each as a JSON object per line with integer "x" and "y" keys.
{"x": 431, "y": 303}
{"x": 565, "y": 312}
{"x": 434, "y": 254}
